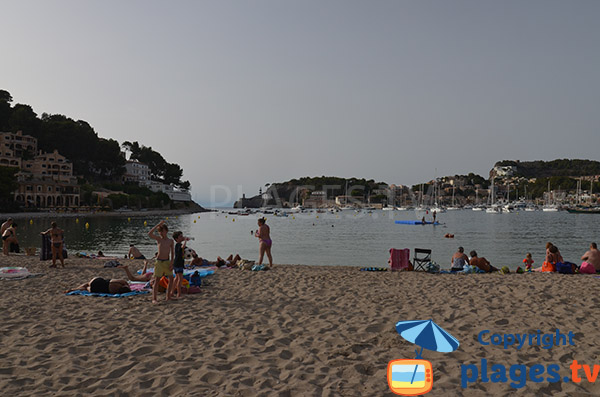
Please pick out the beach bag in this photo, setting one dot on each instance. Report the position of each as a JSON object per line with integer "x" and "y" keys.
{"x": 548, "y": 267}
{"x": 566, "y": 268}
{"x": 587, "y": 268}
{"x": 432, "y": 267}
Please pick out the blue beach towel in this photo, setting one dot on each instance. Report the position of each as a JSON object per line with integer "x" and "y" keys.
{"x": 87, "y": 293}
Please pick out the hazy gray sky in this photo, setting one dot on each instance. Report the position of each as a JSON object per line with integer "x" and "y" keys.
{"x": 253, "y": 92}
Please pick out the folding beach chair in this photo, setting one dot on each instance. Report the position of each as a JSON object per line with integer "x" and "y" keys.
{"x": 422, "y": 257}
{"x": 399, "y": 259}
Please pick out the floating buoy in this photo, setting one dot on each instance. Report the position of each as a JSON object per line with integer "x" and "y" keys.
{"x": 194, "y": 221}
{"x": 76, "y": 220}
{"x": 225, "y": 216}
{"x": 128, "y": 219}
{"x": 233, "y": 220}
{"x": 167, "y": 218}
{"x": 317, "y": 216}
{"x": 145, "y": 223}
{"x": 31, "y": 221}
{"x": 176, "y": 217}
{"x": 293, "y": 217}
{"x": 87, "y": 225}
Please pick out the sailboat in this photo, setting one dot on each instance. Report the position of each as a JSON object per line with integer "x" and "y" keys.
{"x": 453, "y": 207}
{"x": 493, "y": 208}
{"x": 549, "y": 207}
{"x": 477, "y": 206}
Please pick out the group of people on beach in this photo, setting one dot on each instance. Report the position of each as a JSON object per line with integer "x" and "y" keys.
{"x": 10, "y": 243}
{"x": 553, "y": 259}
{"x": 168, "y": 260}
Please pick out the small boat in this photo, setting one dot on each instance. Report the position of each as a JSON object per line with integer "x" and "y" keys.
{"x": 389, "y": 208}
{"x": 550, "y": 208}
{"x": 581, "y": 210}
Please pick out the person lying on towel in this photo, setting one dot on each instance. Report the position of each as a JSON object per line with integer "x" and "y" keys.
{"x": 103, "y": 286}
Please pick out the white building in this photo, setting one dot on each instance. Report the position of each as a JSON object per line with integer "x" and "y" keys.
{"x": 137, "y": 172}
{"x": 174, "y": 193}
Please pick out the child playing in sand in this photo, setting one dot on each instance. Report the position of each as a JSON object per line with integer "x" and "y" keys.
{"x": 528, "y": 261}
{"x": 163, "y": 265}
{"x": 178, "y": 261}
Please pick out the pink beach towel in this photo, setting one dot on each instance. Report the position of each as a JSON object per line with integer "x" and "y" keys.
{"x": 587, "y": 268}
{"x": 399, "y": 259}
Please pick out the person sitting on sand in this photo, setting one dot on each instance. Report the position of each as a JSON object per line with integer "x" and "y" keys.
{"x": 9, "y": 237}
{"x": 459, "y": 260}
{"x": 103, "y": 286}
{"x": 528, "y": 261}
{"x": 553, "y": 257}
{"x": 592, "y": 257}
{"x": 134, "y": 253}
{"x": 56, "y": 237}
{"x": 481, "y": 263}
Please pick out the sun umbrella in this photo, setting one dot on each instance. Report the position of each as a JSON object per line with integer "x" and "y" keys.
{"x": 428, "y": 335}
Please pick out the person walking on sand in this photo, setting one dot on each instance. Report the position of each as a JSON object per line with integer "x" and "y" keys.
{"x": 163, "y": 266}
{"x": 592, "y": 257}
{"x": 9, "y": 237}
{"x": 57, "y": 239}
{"x": 264, "y": 241}
{"x": 178, "y": 262}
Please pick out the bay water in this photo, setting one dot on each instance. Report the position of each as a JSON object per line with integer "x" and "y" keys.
{"x": 341, "y": 238}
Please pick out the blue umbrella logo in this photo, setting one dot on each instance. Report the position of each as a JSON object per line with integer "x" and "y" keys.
{"x": 428, "y": 335}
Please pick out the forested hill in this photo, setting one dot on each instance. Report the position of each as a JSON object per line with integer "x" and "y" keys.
{"x": 546, "y": 169}
{"x": 96, "y": 159}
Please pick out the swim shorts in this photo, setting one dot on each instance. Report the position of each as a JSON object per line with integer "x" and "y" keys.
{"x": 178, "y": 270}
{"x": 162, "y": 268}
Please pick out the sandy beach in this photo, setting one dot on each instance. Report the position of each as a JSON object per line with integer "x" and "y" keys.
{"x": 292, "y": 331}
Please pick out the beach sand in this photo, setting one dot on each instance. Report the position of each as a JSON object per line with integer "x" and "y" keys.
{"x": 292, "y": 331}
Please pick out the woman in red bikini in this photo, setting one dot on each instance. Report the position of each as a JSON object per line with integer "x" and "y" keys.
{"x": 264, "y": 241}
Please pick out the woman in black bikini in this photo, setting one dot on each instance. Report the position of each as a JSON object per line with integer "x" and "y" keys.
{"x": 56, "y": 237}
{"x": 103, "y": 286}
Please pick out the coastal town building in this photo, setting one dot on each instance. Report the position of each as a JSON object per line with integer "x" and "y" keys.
{"x": 136, "y": 172}
{"x": 46, "y": 180}
{"x": 18, "y": 143}
{"x": 174, "y": 193}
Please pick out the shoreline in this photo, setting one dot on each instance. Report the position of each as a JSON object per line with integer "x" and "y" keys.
{"x": 133, "y": 214}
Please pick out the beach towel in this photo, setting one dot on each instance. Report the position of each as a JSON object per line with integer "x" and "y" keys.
{"x": 399, "y": 259}
{"x": 373, "y": 269}
{"x": 87, "y": 293}
{"x": 187, "y": 272}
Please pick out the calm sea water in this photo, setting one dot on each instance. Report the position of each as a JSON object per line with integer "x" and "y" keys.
{"x": 343, "y": 238}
